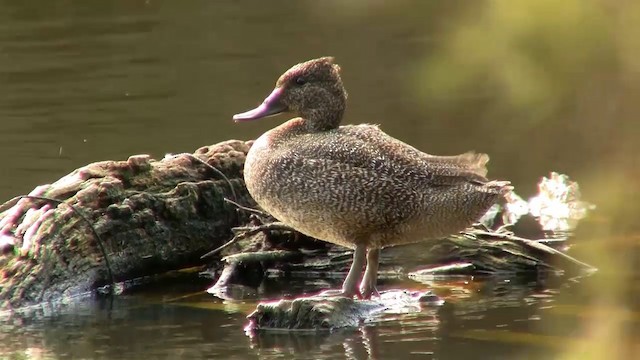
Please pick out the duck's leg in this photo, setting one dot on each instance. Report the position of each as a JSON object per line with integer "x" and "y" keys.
{"x": 368, "y": 284}
{"x": 350, "y": 285}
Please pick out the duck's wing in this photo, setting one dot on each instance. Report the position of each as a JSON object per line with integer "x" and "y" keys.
{"x": 357, "y": 187}
{"x": 369, "y": 147}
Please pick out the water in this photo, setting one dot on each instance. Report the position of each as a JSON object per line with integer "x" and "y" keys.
{"x": 84, "y": 81}
{"x": 499, "y": 318}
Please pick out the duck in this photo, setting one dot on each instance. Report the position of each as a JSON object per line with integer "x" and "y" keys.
{"x": 354, "y": 185}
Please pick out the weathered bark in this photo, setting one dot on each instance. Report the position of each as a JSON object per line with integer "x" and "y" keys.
{"x": 147, "y": 217}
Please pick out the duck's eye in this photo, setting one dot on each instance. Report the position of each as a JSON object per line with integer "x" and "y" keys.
{"x": 300, "y": 80}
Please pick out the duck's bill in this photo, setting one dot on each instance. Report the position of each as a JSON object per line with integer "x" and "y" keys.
{"x": 272, "y": 105}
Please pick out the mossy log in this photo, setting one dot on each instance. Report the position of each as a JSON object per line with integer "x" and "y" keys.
{"x": 113, "y": 221}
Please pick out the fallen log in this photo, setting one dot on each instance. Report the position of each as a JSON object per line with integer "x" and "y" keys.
{"x": 113, "y": 221}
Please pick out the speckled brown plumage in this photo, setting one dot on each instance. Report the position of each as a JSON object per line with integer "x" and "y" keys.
{"x": 355, "y": 185}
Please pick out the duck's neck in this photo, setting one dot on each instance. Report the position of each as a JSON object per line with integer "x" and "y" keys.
{"x": 325, "y": 111}
{"x": 315, "y": 121}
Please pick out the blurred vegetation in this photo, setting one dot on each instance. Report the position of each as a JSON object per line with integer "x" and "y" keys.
{"x": 558, "y": 77}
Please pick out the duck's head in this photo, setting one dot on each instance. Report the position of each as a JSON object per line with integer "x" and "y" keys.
{"x": 312, "y": 89}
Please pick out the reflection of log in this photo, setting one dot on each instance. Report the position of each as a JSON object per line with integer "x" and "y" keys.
{"x": 149, "y": 216}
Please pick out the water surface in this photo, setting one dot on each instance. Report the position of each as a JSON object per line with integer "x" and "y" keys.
{"x": 498, "y": 318}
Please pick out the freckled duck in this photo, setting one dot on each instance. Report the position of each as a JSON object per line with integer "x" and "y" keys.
{"x": 354, "y": 185}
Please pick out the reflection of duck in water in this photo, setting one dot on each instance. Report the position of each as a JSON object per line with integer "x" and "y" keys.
{"x": 356, "y": 186}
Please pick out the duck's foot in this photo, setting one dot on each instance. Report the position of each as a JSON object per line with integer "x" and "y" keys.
{"x": 341, "y": 293}
{"x": 350, "y": 285}
{"x": 368, "y": 291}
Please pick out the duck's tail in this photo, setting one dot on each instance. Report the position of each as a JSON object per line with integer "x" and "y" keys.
{"x": 498, "y": 187}
{"x": 475, "y": 162}
{"x": 470, "y": 162}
